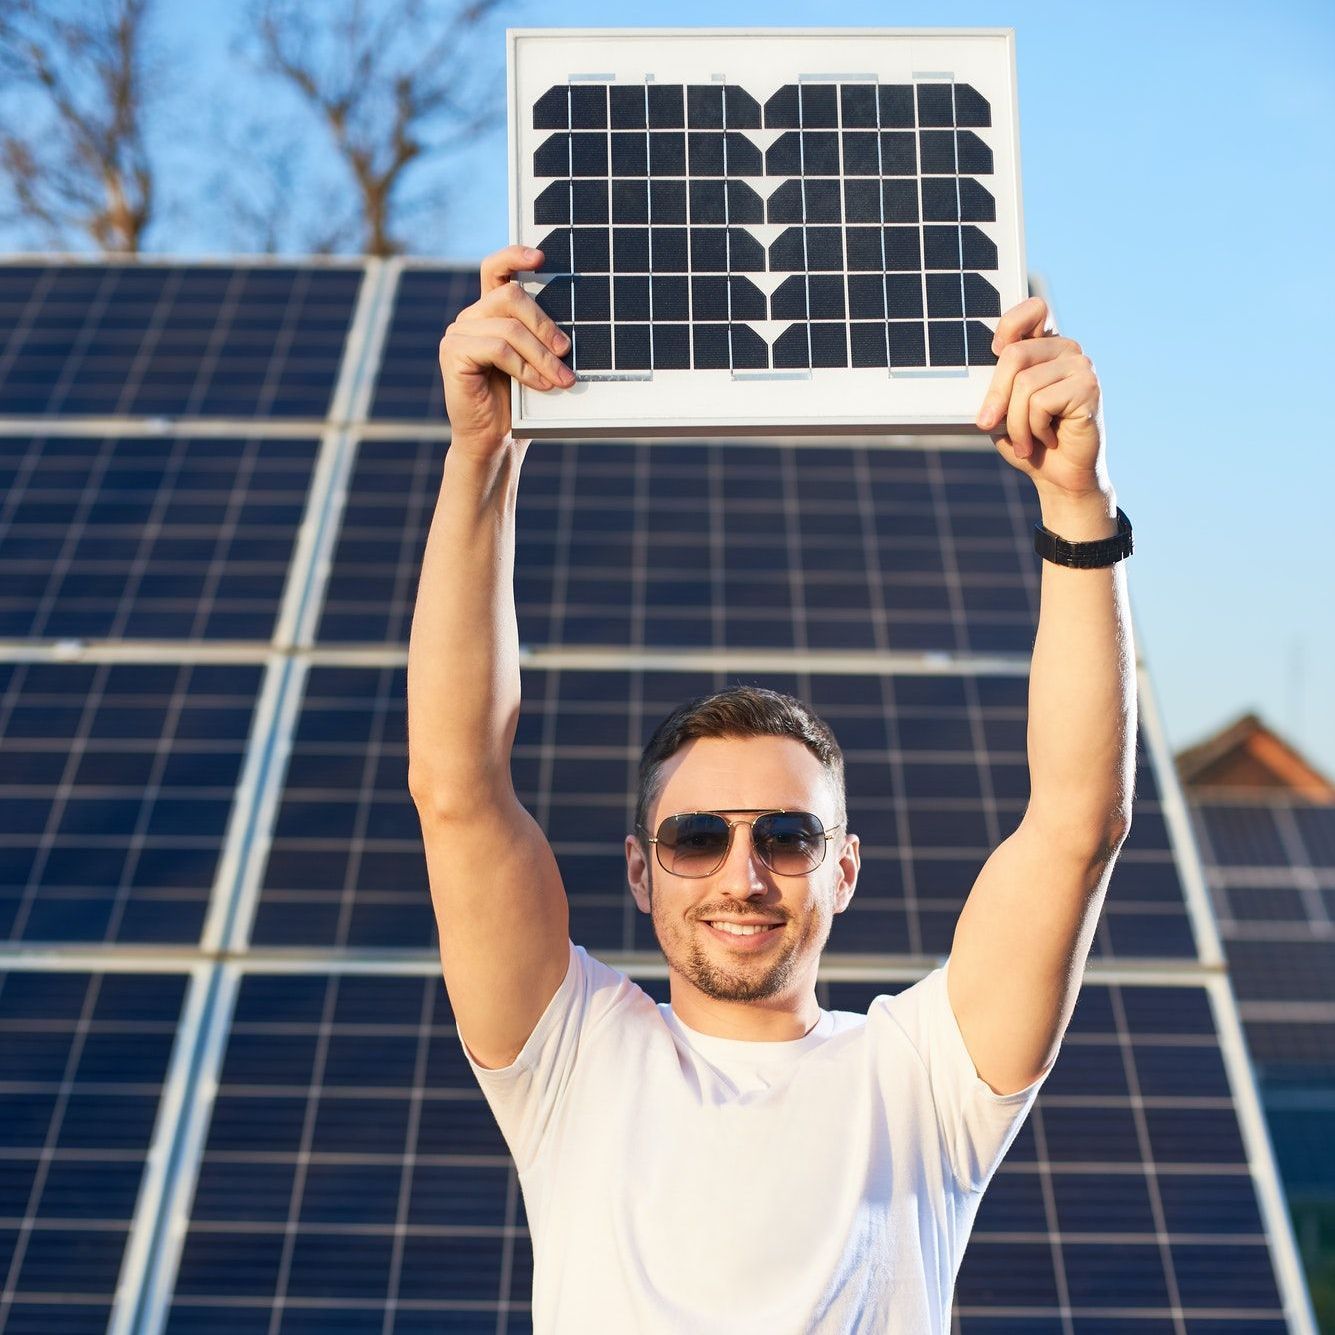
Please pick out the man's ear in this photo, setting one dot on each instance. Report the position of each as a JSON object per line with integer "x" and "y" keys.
{"x": 850, "y": 862}
{"x": 637, "y": 872}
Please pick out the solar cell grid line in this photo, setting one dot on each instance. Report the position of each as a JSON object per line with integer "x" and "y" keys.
{"x": 91, "y": 1078}
{"x": 119, "y": 789}
{"x": 145, "y": 339}
{"x": 347, "y": 1082}
{"x": 118, "y": 537}
{"x": 764, "y": 536}
{"x": 937, "y": 773}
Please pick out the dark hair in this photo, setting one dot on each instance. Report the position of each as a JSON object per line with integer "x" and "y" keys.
{"x": 736, "y": 711}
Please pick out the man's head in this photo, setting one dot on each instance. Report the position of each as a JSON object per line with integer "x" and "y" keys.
{"x": 740, "y": 752}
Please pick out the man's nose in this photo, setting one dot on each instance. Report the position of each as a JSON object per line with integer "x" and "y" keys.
{"x": 742, "y": 871}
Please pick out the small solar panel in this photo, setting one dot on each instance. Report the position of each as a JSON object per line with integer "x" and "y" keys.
{"x": 116, "y": 789}
{"x": 800, "y": 229}
{"x": 83, "y": 1061}
{"x": 1127, "y": 1198}
{"x": 143, "y": 340}
{"x": 148, "y": 538}
{"x": 937, "y": 776}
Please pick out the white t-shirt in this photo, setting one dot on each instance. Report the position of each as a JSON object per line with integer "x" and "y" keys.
{"x": 679, "y": 1183}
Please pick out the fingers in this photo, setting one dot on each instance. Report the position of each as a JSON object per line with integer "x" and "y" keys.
{"x": 467, "y": 348}
{"x": 1025, "y": 419}
{"x": 1015, "y": 358}
{"x": 511, "y": 300}
{"x": 501, "y": 265}
{"x": 1027, "y": 319}
{"x": 507, "y": 313}
{"x": 1047, "y": 391}
{"x": 527, "y": 344}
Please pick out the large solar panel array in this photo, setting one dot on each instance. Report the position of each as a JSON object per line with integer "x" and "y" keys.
{"x": 232, "y": 1097}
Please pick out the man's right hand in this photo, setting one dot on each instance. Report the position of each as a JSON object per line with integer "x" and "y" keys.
{"x": 504, "y": 333}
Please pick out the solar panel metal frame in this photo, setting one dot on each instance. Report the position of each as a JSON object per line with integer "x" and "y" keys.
{"x": 926, "y": 399}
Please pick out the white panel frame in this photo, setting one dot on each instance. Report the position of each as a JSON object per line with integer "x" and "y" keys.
{"x": 848, "y": 399}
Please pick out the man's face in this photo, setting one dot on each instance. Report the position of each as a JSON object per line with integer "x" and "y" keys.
{"x": 735, "y": 776}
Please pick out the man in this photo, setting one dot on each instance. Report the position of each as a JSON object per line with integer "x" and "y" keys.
{"x": 739, "y": 1160}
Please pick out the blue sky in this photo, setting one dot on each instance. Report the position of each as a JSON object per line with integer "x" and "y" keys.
{"x": 1179, "y": 185}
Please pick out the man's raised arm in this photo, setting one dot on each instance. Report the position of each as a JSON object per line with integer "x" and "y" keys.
{"x": 500, "y": 906}
{"x": 1018, "y": 957}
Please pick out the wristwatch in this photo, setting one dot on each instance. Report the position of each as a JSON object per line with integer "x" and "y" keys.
{"x": 1085, "y": 555}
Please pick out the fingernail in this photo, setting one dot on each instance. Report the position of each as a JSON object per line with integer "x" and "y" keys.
{"x": 530, "y": 253}
{"x": 561, "y": 341}
{"x": 567, "y": 376}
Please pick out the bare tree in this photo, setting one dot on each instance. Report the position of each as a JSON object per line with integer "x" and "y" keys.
{"x": 80, "y": 165}
{"x": 396, "y": 83}
{"x": 271, "y": 190}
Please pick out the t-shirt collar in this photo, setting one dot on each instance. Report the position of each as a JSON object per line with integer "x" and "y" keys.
{"x": 744, "y": 1049}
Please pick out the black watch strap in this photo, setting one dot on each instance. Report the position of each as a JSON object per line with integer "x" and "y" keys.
{"x": 1085, "y": 555}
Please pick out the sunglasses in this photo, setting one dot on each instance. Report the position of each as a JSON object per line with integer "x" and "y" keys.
{"x": 696, "y": 843}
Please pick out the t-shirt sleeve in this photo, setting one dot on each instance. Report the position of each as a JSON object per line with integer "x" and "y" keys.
{"x": 976, "y": 1124}
{"x": 524, "y": 1095}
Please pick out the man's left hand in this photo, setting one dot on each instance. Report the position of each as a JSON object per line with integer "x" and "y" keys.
{"x": 1043, "y": 406}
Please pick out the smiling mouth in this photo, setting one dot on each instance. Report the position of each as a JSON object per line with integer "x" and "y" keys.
{"x": 743, "y": 931}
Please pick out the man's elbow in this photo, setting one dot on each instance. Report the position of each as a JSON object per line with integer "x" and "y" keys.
{"x": 1096, "y": 839}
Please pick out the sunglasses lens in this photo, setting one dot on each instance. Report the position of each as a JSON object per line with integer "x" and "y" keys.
{"x": 790, "y": 842}
{"x": 693, "y": 844}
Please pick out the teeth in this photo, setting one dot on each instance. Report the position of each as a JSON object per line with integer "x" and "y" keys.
{"x": 737, "y": 929}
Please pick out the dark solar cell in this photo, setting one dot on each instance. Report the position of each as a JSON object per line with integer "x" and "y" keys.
{"x": 114, "y": 824}
{"x": 588, "y": 202}
{"x": 858, "y": 104}
{"x": 125, "y": 537}
{"x": 971, "y": 107}
{"x": 666, "y": 105}
{"x": 588, "y": 106}
{"x": 936, "y": 105}
{"x": 627, "y": 108}
{"x": 148, "y": 340}
{"x": 83, "y": 1060}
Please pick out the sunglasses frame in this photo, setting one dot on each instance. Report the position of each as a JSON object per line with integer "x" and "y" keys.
{"x": 756, "y": 813}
